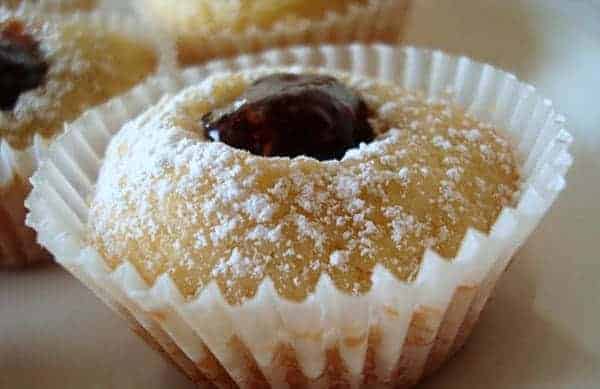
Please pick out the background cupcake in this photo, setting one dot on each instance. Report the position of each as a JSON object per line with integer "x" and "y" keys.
{"x": 205, "y": 29}
{"x": 422, "y": 320}
{"x": 66, "y": 65}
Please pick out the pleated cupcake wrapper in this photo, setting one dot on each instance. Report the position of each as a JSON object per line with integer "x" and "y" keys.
{"x": 17, "y": 242}
{"x": 377, "y": 20}
{"x": 395, "y": 333}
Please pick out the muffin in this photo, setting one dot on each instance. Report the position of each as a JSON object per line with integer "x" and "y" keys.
{"x": 53, "y": 69}
{"x": 206, "y": 29}
{"x": 296, "y": 226}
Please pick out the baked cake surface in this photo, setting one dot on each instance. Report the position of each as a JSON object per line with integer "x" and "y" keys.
{"x": 169, "y": 200}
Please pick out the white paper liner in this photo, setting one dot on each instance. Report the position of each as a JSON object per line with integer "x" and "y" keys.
{"x": 377, "y": 20}
{"x": 392, "y": 335}
{"x": 17, "y": 165}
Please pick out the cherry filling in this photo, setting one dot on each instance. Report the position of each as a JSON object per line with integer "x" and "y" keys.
{"x": 288, "y": 115}
{"x": 22, "y": 66}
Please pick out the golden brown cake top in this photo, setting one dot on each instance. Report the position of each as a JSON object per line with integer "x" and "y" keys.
{"x": 170, "y": 201}
{"x": 65, "y": 66}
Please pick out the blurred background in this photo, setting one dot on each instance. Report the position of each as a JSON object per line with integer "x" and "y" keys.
{"x": 539, "y": 331}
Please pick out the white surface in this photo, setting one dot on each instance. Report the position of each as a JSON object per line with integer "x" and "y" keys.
{"x": 539, "y": 331}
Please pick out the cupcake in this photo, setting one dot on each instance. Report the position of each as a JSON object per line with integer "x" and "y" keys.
{"x": 300, "y": 226}
{"x": 206, "y": 29}
{"x": 53, "y": 69}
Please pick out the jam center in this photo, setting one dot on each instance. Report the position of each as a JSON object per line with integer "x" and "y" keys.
{"x": 288, "y": 115}
{"x": 22, "y": 66}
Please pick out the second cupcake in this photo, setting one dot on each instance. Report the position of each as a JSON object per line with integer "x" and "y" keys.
{"x": 53, "y": 68}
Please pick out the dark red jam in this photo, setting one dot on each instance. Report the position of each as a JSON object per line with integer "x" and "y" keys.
{"x": 288, "y": 115}
{"x": 22, "y": 66}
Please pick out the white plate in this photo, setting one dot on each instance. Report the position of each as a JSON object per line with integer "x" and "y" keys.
{"x": 55, "y": 334}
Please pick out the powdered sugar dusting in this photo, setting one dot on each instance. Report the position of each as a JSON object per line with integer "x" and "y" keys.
{"x": 238, "y": 266}
{"x": 171, "y": 202}
{"x": 339, "y": 258}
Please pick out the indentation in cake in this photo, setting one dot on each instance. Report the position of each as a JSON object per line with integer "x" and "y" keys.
{"x": 288, "y": 115}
